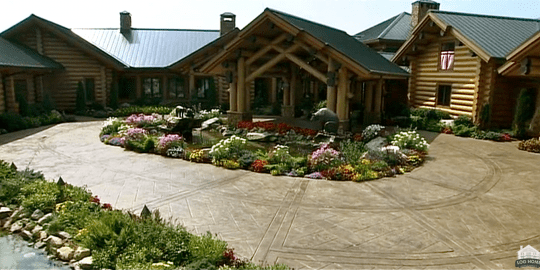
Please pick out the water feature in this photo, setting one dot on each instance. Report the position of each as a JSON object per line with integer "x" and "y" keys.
{"x": 15, "y": 254}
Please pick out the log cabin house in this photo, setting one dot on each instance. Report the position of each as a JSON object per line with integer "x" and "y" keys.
{"x": 279, "y": 58}
{"x": 458, "y": 63}
{"x": 149, "y": 64}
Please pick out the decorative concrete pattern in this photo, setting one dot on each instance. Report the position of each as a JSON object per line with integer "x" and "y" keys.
{"x": 470, "y": 206}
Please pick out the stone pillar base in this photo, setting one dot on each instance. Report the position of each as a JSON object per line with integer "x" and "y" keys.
{"x": 235, "y": 117}
{"x": 371, "y": 118}
{"x": 287, "y": 111}
{"x": 344, "y": 125}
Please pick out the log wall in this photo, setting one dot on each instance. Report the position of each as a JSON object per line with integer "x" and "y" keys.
{"x": 426, "y": 77}
{"x": 78, "y": 66}
{"x": 2, "y": 95}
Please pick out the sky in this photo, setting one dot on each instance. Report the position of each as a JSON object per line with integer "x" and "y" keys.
{"x": 352, "y": 16}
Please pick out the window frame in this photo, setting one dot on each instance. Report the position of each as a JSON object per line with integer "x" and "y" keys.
{"x": 451, "y": 54}
{"x": 154, "y": 92}
{"x": 438, "y": 101}
{"x": 176, "y": 83}
{"x": 207, "y": 84}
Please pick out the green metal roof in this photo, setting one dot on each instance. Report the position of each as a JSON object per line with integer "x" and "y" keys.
{"x": 344, "y": 43}
{"x": 497, "y": 36}
{"x": 395, "y": 28}
{"x": 15, "y": 55}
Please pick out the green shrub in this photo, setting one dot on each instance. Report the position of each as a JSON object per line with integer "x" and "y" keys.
{"x": 24, "y": 109}
{"x": 12, "y": 122}
{"x": 41, "y": 195}
{"x": 463, "y": 130}
{"x": 463, "y": 120}
{"x": 352, "y": 151}
{"x": 431, "y": 114}
{"x": 80, "y": 100}
{"x": 73, "y": 216}
{"x": 123, "y": 112}
{"x": 532, "y": 145}
{"x": 524, "y": 112}
{"x": 380, "y": 166}
{"x": 485, "y": 115}
{"x": 206, "y": 247}
{"x": 486, "y": 135}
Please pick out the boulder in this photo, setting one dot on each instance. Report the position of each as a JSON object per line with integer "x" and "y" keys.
{"x": 54, "y": 241}
{"x": 7, "y": 223}
{"x": 86, "y": 263}
{"x": 16, "y": 227}
{"x": 256, "y": 136}
{"x": 46, "y": 218}
{"x": 64, "y": 235}
{"x": 37, "y": 229}
{"x": 26, "y": 235}
{"x": 376, "y": 144}
{"x": 5, "y": 212}
{"x": 42, "y": 235}
{"x": 30, "y": 226}
{"x": 15, "y": 214}
{"x": 81, "y": 253}
{"x": 209, "y": 123}
{"x": 37, "y": 214}
{"x": 39, "y": 245}
{"x": 65, "y": 254}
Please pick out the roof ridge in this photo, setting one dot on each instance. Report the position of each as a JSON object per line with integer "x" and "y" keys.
{"x": 484, "y": 15}
{"x": 394, "y": 18}
{"x": 305, "y": 20}
{"x": 145, "y": 29}
{"x": 394, "y": 22}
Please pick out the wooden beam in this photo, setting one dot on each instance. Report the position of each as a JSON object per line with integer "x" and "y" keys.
{"x": 241, "y": 85}
{"x": 307, "y": 67}
{"x": 266, "y": 49}
{"x": 316, "y": 54}
{"x": 270, "y": 63}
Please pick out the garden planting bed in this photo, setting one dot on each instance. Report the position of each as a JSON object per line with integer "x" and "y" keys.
{"x": 279, "y": 149}
{"x": 76, "y": 228}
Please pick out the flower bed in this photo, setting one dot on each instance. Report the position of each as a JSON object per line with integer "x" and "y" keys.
{"x": 295, "y": 152}
{"x": 76, "y": 227}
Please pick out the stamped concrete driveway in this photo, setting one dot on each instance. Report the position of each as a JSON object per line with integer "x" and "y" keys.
{"x": 470, "y": 206}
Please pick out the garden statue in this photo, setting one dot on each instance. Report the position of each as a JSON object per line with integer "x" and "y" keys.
{"x": 327, "y": 118}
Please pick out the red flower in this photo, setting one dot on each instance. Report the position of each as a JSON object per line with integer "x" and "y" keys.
{"x": 258, "y": 165}
{"x": 95, "y": 199}
{"x": 107, "y": 206}
{"x": 447, "y": 130}
{"x": 505, "y": 137}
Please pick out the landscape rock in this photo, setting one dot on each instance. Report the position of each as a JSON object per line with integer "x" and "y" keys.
{"x": 256, "y": 136}
{"x": 376, "y": 144}
{"x": 37, "y": 229}
{"x": 26, "y": 235}
{"x": 42, "y": 235}
{"x": 39, "y": 245}
{"x": 5, "y": 212}
{"x": 54, "y": 241}
{"x": 46, "y": 218}
{"x": 81, "y": 253}
{"x": 209, "y": 123}
{"x": 2, "y": 204}
{"x": 15, "y": 214}
{"x": 30, "y": 226}
{"x": 86, "y": 263}
{"x": 37, "y": 214}
{"x": 7, "y": 223}
{"x": 16, "y": 227}
{"x": 64, "y": 235}
{"x": 65, "y": 254}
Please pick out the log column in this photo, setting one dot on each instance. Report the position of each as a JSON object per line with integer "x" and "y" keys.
{"x": 378, "y": 97}
{"x": 331, "y": 90}
{"x": 273, "y": 95}
{"x": 191, "y": 88}
{"x": 233, "y": 96}
{"x": 341, "y": 102}
{"x": 241, "y": 113}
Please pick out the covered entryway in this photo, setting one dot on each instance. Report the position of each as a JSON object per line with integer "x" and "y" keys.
{"x": 298, "y": 57}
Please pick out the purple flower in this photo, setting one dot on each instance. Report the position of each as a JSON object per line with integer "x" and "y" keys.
{"x": 315, "y": 175}
{"x": 141, "y": 119}
{"x": 104, "y": 137}
{"x": 166, "y": 141}
{"x": 136, "y": 134}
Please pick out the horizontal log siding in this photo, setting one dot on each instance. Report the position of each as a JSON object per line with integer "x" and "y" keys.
{"x": 223, "y": 86}
{"x": 426, "y": 77}
{"x": 63, "y": 84}
{"x": 2, "y": 95}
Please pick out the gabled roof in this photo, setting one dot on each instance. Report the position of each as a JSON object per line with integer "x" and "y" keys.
{"x": 67, "y": 34}
{"x": 496, "y": 35}
{"x": 148, "y": 48}
{"x": 15, "y": 55}
{"x": 487, "y": 36}
{"x": 344, "y": 43}
{"x": 395, "y": 28}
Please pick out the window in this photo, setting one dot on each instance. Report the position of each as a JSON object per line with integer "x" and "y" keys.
{"x": 203, "y": 86}
{"x": 177, "y": 88}
{"x": 21, "y": 89}
{"x": 444, "y": 93}
{"x": 447, "y": 56}
{"x": 127, "y": 88}
{"x": 89, "y": 89}
{"x": 152, "y": 87}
